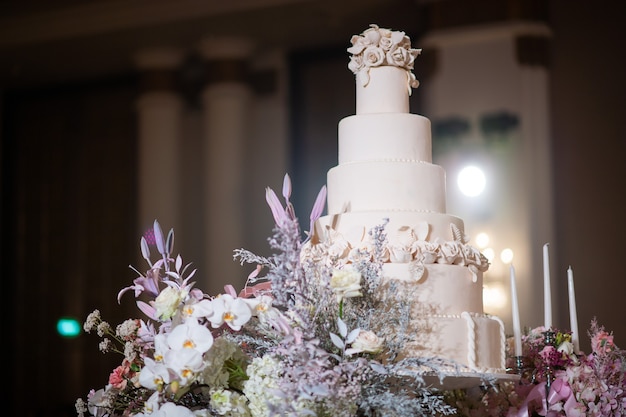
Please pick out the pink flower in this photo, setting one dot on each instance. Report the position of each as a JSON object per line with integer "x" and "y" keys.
{"x": 602, "y": 342}
{"x": 550, "y": 355}
{"x": 117, "y": 377}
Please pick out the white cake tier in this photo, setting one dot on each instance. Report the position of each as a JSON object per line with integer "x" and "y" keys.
{"x": 387, "y": 91}
{"x": 386, "y": 185}
{"x": 476, "y": 341}
{"x": 402, "y": 228}
{"x": 433, "y": 284}
{"x": 394, "y": 136}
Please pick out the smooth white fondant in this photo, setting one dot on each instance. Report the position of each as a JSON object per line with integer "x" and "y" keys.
{"x": 451, "y": 337}
{"x": 386, "y": 92}
{"x": 385, "y": 185}
{"x": 434, "y": 287}
{"x": 395, "y": 136}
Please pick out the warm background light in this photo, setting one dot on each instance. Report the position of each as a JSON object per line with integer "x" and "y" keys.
{"x": 482, "y": 240}
{"x": 489, "y": 254}
{"x": 471, "y": 181}
{"x": 494, "y": 297}
{"x": 506, "y": 256}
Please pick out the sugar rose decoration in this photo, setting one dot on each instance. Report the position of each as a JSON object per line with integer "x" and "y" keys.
{"x": 378, "y": 47}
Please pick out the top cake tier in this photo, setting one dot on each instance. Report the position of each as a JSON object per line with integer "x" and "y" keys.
{"x": 385, "y": 92}
{"x": 387, "y": 89}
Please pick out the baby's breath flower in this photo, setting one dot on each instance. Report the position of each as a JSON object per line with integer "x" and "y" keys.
{"x": 103, "y": 328}
{"x": 127, "y": 330}
{"x": 92, "y": 320}
{"x": 105, "y": 345}
{"x": 81, "y": 407}
{"x": 130, "y": 351}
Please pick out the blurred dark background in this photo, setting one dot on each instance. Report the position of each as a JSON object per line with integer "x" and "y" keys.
{"x": 69, "y": 91}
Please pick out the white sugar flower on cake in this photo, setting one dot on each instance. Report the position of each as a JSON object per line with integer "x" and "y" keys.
{"x": 377, "y": 47}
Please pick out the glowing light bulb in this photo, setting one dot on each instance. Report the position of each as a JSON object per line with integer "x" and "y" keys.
{"x": 482, "y": 240}
{"x": 506, "y": 256}
{"x": 471, "y": 181}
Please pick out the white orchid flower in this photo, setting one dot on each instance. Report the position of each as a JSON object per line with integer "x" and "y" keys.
{"x": 235, "y": 312}
{"x": 154, "y": 375}
{"x": 190, "y": 335}
{"x": 186, "y": 363}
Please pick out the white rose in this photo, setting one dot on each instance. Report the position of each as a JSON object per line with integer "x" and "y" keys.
{"x": 368, "y": 342}
{"x": 450, "y": 252}
{"x": 472, "y": 256}
{"x": 400, "y": 254}
{"x": 386, "y": 43}
{"x": 167, "y": 302}
{"x": 356, "y": 63}
{"x": 373, "y": 56}
{"x": 358, "y": 45}
{"x": 372, "y": 35}
{"x": 385, "y": 33}
{"x": 346, "y": 283}
{"x": 399, "y": 57}
{"x": 426, "y": 252}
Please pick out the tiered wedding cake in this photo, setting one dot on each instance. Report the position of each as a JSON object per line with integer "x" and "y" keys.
{"x": 385, "y": 175}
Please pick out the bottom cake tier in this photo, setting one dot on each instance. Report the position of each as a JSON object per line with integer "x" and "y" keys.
{"x": 474, "y": 342}
{"x": 447, "y": 319}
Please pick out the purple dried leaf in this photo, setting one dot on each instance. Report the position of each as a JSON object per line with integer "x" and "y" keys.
{"x": 287, "y": 187}
{"x": 337, "y": 341}
{"x": 318, "y": 206}
{"x": 147, "y": 309}
{"x": 353, "y": 335}
{"x": 172, "y": 274}
{"x": 179, "y": 262}
{"x": 145, "y": 249}
{"x": 169, "y": 246}
{"x": 343, "y": 329}
{"x": 381, "y": 369}
{"x": 275, "y": 205}
{"x": 158, "y": 238}
{"x": 191, "y": 274}
{"x": 351, "y": 351}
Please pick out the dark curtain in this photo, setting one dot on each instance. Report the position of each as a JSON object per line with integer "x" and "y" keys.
{"x": 68, "y": 236}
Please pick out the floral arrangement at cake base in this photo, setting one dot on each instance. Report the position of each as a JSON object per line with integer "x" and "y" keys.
{"x": 304, "y": 337}
{"x": 555, "y": 380}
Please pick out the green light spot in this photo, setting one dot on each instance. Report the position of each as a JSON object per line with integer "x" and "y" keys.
{"x": 68, "y": 327}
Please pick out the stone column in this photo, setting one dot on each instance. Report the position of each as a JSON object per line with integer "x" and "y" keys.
{"x": 159, "y": 122}
{"x": 226, "y": 105}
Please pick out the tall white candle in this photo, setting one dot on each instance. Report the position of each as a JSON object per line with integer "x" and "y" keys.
{"x": 517, "y": 330}
{"x": 573, "y": 317}
{"x": 547, "y": 297}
